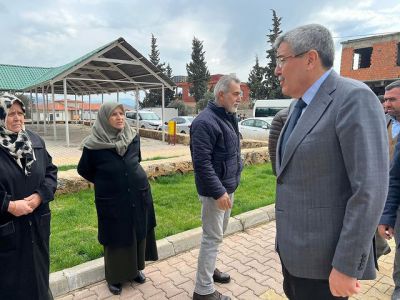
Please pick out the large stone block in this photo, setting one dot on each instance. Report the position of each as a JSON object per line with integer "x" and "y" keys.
{"x": 180, "y": 138}
{"x": 179, "y": 165}
{"x": 247, "y": 144}
{"x": 70, "y": 181}
{"x": 255, "y": 156}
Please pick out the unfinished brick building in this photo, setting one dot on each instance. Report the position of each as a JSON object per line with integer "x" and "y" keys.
{"x": 374, "y": 60}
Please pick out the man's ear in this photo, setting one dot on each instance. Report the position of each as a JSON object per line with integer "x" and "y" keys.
{"x": 220, "y": 96}
{"x": 312, "y": 58}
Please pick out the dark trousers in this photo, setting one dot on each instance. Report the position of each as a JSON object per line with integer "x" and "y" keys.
{"x": 297, "y": 288}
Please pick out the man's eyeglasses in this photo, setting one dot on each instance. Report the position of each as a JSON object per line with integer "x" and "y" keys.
{"x": 281, "y": 60}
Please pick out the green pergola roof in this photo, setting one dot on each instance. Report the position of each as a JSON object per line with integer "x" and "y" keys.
{"x": 15, "y": 78}
{"x": 93, "y": 72}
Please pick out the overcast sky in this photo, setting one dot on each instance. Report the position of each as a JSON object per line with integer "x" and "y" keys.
{"x": 52, "y": 33}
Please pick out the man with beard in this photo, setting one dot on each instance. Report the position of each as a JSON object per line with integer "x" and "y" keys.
{"x": 215, "y": 149}
{"x": 389, "y": 226}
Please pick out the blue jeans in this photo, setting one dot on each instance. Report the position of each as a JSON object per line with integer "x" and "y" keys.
{"x": 214, "y": 224}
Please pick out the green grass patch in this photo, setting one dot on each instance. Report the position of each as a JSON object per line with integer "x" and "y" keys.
{"x": 74, "y": 220}
{"x": 66, "y": 167}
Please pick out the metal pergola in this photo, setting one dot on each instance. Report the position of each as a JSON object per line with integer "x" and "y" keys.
{"x": 113, "y": 68}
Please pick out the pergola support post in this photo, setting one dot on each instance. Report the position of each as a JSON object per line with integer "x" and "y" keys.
{"x": 66, "y": 112}
{"x": 54, "y": 112}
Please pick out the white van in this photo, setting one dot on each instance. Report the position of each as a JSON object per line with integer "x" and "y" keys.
{"x": 269, "y": 107}
{"x": 147, "y": 119}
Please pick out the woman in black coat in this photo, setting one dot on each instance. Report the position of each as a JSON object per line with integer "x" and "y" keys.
{"x": 126, "y": 219}
{"x": 28, "y": 180}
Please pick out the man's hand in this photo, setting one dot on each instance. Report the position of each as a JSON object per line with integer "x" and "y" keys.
{"x": 33, "y": 200}
{"x": 19, "y": 208}
{"x": 224, "y": 202}
{"x": 342, "y": 285}
{"x": 386, "y": 231}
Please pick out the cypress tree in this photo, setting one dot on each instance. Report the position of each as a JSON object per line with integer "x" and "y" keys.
{"x": 198, "y": 74}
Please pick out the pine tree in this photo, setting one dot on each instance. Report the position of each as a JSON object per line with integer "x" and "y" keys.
{"x": 168, "y": 94}
{"x": 198, "y": 74}
{"x": 153, "y": 97}
{"x": 272, "y": 86}
{"x": 255, "y": 83}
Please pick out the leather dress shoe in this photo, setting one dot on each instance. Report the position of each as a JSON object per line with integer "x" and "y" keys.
{"x": 115, "y": 288}
{"x": 140, "y": 278}
{"x": 221, "y": 277}
{"x": 214, "y": 296}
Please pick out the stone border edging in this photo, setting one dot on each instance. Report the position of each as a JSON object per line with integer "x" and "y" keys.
{"x": 68, "y": 280}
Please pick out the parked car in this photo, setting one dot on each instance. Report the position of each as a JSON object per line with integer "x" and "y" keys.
{"x": 182, "y": 124}
{"x": 255, "y": 128}
{"x": 147, "y": 119}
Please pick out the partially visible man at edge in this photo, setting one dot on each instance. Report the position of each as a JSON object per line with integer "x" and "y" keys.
{"x": 388, "y": 226}
{"x": 215, "y": 149}
{"x": 332, "y": 171}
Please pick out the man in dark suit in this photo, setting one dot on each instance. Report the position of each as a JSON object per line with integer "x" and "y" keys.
{"x": 332, "y": 171}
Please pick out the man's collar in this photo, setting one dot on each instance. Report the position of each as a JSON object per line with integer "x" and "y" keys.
{"x": 213, "y": 103}
{"x": 313, "y": 89}
{"x": 394, "y": 119}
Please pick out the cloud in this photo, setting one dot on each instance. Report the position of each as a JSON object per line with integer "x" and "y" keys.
{"x": 360, "y": 19}
{"x": 352, "y": 22}
{"x": 52, "y": 33}
{"x": 3, "y": 9}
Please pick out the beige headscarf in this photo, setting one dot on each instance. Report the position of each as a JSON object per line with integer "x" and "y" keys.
{"x": 104, "y": 136}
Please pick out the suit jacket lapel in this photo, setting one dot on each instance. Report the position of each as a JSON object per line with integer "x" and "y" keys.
{"x": 310, "y": 117}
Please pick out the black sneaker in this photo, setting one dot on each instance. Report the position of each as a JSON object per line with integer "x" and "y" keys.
{"x": 214, "y": 296}
{"x": 221, "y": 277}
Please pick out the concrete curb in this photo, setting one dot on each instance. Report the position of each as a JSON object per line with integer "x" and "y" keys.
{"x": 77, "y": 277}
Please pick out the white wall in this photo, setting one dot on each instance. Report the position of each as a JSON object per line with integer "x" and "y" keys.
{"x": 60, "y": 116}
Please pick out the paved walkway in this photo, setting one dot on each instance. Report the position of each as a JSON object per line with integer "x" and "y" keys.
{"x": 150, "y": 149}
{"x": 63, "y": 155}
{"x": 250, "y": 259}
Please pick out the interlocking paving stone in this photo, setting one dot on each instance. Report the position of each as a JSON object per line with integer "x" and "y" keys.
{"x": 249, "y": 257}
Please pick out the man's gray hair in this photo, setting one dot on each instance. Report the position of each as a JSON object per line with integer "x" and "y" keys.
{"x": 393, "y": 85}
{"x": 310, "y": 37}
{"x": 224, "y": 83}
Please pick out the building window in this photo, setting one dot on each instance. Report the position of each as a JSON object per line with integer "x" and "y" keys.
{"x": 398, "y": 54}
{"x": 362, "y": 58}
